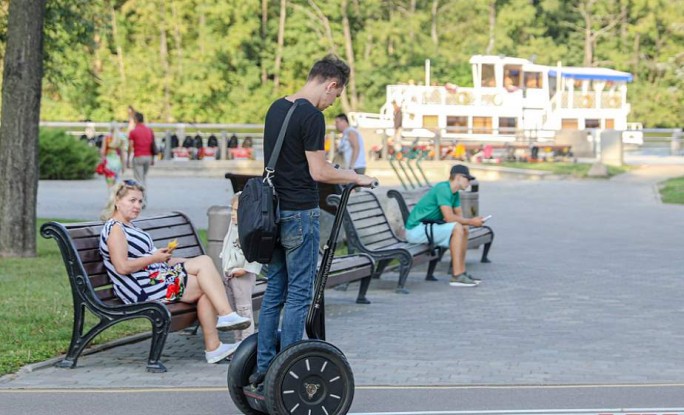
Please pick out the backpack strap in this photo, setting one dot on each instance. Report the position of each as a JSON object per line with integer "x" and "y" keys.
{"x": 270, "y": 167}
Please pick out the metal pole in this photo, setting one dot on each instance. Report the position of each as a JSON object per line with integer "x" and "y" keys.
{"x": 391, "y": 162}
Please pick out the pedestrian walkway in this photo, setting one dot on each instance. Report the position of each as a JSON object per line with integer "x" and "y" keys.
{"x": 585, "y": 287}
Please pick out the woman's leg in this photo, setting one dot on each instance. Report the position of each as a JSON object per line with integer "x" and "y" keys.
{"x": 206, "y": 314}
{"x": 207, "y": 281}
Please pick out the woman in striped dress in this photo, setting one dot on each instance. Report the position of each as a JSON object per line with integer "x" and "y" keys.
{"x": 141, "y": 272}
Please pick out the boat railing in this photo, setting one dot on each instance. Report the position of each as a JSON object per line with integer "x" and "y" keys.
{"x": 590, "y": 100}
{"x": 418, "y": 95}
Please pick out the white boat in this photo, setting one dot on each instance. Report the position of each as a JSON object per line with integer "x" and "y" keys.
{"x": 511, "y": 99}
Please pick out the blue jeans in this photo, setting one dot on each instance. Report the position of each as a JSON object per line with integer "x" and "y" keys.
{"x": 290, "y": 283}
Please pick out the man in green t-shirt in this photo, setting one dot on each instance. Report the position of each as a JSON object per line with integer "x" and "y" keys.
{"x": 438, "y": 215}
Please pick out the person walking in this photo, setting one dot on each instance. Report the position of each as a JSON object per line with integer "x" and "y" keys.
{"x": 351, "y": 145}
{"x": 438, "y": 218}
{"x": 113, "y": 152}
{"x": 300, "y": 165}
{"x": 141, "y": 140}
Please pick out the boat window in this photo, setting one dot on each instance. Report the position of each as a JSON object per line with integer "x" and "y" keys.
{"x": 533, "y": 80}
{"x": 430, "y": 121}
{"x": 488, "y": 77}
{"x": 482, "y": 125}
{"x": 457, "y": 124}
{"x": 610, "y": 123}
{"x": 507, "y": 125}
{"x": 512, "y": 76}
{"x": 569, "y": 124}
{"x": 591, "y": 123}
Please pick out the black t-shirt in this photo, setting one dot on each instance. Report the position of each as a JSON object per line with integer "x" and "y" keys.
{"x": 296, "y": 188}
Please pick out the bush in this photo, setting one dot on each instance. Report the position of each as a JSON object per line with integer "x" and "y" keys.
{"x": 63, "y": 157}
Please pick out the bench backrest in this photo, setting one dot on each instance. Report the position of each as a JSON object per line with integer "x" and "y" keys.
{"x": 79, "y": 243}
{"x": 365, "y": 221}
{"x": 407, "y": 200}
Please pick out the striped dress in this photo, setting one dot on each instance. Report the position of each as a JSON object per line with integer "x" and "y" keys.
{"x": 136, "y": 287}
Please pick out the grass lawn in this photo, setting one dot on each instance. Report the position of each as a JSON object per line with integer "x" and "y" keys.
{"x": 673, "y": 191}
{"x": 37, "y": 311}
{"x": 573, "y": 169}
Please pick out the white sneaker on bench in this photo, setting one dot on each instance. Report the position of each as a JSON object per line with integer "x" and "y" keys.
{"x": 221, "y": 352}
{"x": 233, "y": 321}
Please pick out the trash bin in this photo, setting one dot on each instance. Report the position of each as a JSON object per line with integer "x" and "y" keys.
{"x": 470, "y": 204}
{"x": 219, "y": 219}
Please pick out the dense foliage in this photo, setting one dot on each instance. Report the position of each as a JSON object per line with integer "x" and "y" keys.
{"x": 63, "y": 157}
{"x": 225, "y": 60}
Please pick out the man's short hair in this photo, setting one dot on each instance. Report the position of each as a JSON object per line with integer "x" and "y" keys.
{"x": 343, "y": 117}
{"x": 330, "y": 67}
{"x": 139, "y": 117}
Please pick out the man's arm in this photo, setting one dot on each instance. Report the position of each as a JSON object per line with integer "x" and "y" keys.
{"x": 456, "y": 215}
{"x": 322, "y": 171}
{"x": 354, "y": 142}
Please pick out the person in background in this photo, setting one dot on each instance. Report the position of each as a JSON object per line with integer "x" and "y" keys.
{"x": 140, "y": 145}
{"x": 239, "y": 276}
{"x": 141, "y": 272}
{"x": 113, "y": 150}
{"x": 351, "y": 145}
{"x": 438, "y": 219}
{"x": 398, "y": 122}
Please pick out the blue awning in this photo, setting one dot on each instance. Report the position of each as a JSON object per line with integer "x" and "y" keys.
{"x": 600, "y": 74}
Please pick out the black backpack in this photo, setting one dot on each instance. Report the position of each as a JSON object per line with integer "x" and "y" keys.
{"x": 258, "y": 215}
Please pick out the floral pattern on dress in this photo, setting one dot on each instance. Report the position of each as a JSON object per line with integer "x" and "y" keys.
{"x": 174, "y": 277}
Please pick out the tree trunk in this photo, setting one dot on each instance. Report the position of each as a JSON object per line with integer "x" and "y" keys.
{"x": 635, "y": 56}
{"x": 349, "y": 51}
{"x": 177, "y": 38}
{"x": 264, "y": 23}
{"x": 585, "y": 9}
{"x": 166, "y": 75}
{"x": 281, "y": 43}
{"x": 588, "y": 43}
{"x": 492, "y": 27}
{"x": 411, "y": 17}
{"x": 119, "y": 50}
{"x": 21, "y": 90}
{"x": 433, "y": 28}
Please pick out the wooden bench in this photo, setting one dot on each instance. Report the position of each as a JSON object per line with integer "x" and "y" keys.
{"x": 344, "y": 269}
{"x": 368, "y": 231}
{"x": 91, "y": 287}
{"x": 476, "y": 236}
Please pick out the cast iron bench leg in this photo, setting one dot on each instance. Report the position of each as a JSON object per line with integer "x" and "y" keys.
{"x": 365, "y": 283}
{"x": 160, "y": 331}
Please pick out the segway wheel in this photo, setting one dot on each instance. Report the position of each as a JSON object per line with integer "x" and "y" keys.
{"x": 309, "y": 377}
{"x": 242, "y": 365}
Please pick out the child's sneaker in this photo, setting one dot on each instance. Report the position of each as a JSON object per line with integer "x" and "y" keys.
{"x": 462, "y": 280}
{"x": 233, "y": 321}
{"x": 221, "y": 352}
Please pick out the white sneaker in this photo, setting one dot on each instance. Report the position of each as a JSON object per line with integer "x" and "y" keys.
{"x": 221, "y": 352}
{"x": 233, "y": 321}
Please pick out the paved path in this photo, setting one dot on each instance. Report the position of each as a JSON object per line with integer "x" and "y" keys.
{"x": 586, "y": 287}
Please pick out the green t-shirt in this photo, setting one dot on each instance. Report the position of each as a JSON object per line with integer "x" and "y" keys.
{"x": 428, "y": 206}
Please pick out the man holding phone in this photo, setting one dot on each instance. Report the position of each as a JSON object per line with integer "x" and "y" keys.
{"x": 438, "y": 219}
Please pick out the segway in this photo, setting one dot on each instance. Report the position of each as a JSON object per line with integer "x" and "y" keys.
{"x": 308, "y": 377}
